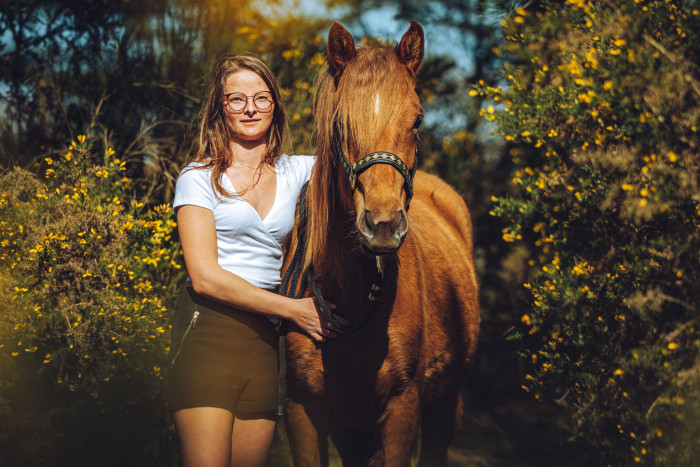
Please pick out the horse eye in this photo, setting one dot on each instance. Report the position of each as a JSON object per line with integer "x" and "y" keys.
{"x": 416, "y": 124}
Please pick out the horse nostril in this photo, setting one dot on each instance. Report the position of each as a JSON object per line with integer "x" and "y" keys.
{"x": 368, "y": 223}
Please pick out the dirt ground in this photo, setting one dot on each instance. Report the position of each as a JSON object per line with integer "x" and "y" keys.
{"x": 518, "y": 433}
{"x": 502, "y": 425}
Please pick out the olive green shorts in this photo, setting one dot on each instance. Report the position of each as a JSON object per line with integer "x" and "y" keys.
{"x": 221, "y": 357}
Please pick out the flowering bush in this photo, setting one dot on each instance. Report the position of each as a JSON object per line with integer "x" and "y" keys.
{"x": 86, "y": 279}
{"x": 601, "y": 110}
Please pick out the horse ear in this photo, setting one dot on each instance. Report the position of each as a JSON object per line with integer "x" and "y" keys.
{"x": 410, "y": 49}
{"x": 341, "y": 48}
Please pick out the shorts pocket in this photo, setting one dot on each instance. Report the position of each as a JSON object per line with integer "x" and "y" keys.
{"x": 180, "y": 328}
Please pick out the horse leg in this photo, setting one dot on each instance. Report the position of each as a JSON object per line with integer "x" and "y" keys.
{"x": 357, "y": 447}
{"x": 400, "y": 427}
{"x": 438, "y": 424}
{"x": 308, "y": 443}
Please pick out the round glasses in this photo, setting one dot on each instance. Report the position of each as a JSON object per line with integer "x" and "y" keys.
{"x": 237, "y": 101}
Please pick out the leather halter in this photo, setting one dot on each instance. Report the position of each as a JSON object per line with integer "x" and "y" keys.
{"x": 379, "y": 157}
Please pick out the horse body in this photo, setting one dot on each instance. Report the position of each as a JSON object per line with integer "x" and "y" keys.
{"x": 371, "y": 389}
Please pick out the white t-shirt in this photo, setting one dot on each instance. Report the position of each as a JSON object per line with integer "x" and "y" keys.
{"x": 248, "y": 246}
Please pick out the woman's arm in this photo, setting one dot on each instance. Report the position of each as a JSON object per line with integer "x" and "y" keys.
{"x": 198, "y": 238}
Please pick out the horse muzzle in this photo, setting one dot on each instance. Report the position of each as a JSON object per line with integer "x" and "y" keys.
{"x": 382, "y": 233}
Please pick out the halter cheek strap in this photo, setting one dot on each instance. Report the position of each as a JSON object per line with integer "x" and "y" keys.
{"x": 379, "y": 157}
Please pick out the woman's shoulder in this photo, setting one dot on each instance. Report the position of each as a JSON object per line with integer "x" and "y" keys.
{"x": 196, "y": 166}
{"x": 195, "y": 171}
{"x": 193, "y": 186}
{"x": 296, "y": 169}
{"x": 296, "y": 162}
{"x": 195, "y": 175}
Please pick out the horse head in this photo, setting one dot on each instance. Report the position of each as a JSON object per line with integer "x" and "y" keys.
{"x": 376, "y": 118}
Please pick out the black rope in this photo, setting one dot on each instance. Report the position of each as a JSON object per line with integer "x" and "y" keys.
{"x": 374, "y": 295}
{"x": 324, "y": 306}
{"x": 294, "y": 271}
{"x": 282, "y": 398}
{"x": 287, "y": 289}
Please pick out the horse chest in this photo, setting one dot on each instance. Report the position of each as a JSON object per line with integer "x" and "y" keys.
{"x": 364, "y": 368}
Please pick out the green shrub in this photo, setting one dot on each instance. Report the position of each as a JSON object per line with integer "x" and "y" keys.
{"x": 601, "y": 108}
{"x": 87, "y": 278}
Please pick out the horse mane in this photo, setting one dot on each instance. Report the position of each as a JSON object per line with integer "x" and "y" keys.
{"x": 343, "y": 109}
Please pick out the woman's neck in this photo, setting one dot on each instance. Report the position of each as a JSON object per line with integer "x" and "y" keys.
{"x": 248, "y": 153}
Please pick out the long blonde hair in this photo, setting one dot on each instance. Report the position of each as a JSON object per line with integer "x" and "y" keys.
{"x": 213, "y": 143}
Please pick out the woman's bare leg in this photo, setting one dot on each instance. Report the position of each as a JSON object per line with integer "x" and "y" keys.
{"x": 251, "y": 441}
{"x": 205, "y": 436}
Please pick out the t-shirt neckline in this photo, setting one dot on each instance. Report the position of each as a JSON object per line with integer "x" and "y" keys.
{"x": 274, "y": 202}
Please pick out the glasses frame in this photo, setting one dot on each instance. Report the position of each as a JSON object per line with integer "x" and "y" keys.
{"x": 228, "y": 101}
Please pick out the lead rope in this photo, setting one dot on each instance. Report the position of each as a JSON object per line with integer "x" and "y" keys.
{"x": 287, "y": 289}
{"x": 374, "y": 294}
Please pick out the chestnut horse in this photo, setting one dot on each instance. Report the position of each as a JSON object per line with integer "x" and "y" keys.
{"x": 371, "y": 389}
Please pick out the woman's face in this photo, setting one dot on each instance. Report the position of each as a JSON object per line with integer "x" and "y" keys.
{"x": 251, "y": 123}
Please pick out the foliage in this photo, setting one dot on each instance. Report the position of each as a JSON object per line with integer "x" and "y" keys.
{"x": 139, "y": 68}
{"x": 74, "y": 64}
{"x": 87, "y": 277}
{"x": 602, "y": 108}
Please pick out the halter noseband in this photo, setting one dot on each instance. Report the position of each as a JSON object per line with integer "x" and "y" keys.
{"x": 379, "y": 157}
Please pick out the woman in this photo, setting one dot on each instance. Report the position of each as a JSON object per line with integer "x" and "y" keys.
{"x": 235, "y": 206}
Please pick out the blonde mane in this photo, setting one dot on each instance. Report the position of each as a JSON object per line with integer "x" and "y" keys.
{"x": 345, "y": 109}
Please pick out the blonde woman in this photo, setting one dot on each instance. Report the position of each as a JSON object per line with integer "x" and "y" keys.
{"x": 235, "y": 204}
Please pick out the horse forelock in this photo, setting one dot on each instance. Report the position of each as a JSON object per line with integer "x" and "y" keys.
{"x": 357, "y": 110}
{"x": 369, "y": 96}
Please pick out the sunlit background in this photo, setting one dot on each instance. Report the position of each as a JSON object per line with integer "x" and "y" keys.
{"x": 570, "y": 128}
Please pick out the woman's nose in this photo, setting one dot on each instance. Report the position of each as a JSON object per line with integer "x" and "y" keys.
{"x": 249, "y": 107}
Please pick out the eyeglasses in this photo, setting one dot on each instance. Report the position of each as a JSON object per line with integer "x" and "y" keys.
{"x": 237, "y": 101}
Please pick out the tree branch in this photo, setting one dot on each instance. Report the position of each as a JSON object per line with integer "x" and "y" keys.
{"x": 674, "y": 59}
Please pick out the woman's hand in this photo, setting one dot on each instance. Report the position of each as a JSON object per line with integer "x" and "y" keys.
{"x": 311, "y": 319}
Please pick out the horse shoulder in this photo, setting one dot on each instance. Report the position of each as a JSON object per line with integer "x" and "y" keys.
{"x": 439, "y": 222}
{"x": 441, "y": 216}
{"x": 439, "y": 200}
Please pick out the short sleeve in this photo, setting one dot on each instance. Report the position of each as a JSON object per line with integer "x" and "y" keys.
{"x": 193, "y": 187}
{"x": 301, "y": 167}
{"x": 307, "y": 164}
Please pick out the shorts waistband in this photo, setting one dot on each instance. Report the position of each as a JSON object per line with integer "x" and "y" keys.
{"x": 209, "y": 306}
